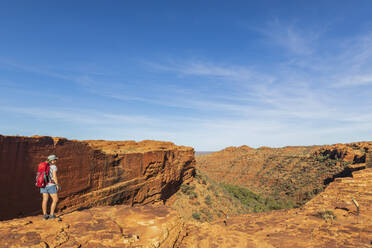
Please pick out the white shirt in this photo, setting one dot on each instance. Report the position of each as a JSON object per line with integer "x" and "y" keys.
{"x": 52, "y": 168}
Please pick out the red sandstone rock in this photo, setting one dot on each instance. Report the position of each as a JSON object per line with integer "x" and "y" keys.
{"x": 91, "y": 173}
{"x": 299, "y": 228}
{"x": 352, "y": 152}
{"x": 150, "y": 226}
{"x": 100, "y": 227}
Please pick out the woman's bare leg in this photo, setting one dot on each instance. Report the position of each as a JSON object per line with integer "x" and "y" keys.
{"x": 54, "y": 203}
{"x": 45, "y": 203}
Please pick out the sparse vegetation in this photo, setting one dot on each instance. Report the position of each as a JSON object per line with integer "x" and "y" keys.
{"x": 196, "y": 215}
{"x": 208, "y": 200}
{"x": 326, "y": 215}
{"x": 192, "y": 195}
{"x": 186, "y": 189}
{"x": 205, "y": 200}
{"x": 255, "y": 202}
{"x": 207, "y": 214}
{"x": 211, "y": 187}
{"x": 198, "y": 176}
{"x": 286, "y": 174}
{"x": 189, "y": 190}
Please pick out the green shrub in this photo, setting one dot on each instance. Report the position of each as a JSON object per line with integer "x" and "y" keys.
{"x": 211, "y": 187}
{"x": 273, "y": 204}
{"x": 255, "y": 202}
{"x": 196, "y": 215}
{"x": 242, "y": 194}
{"x": 198, "y": 176}
{"x": 208, "y": 200}
{"x": 207, "y": 214}
{"x": 185, "y": 188}
{"x": 326, "y": 215}
{"x": 192, "y": 195}
{"x": 346, "y": 163}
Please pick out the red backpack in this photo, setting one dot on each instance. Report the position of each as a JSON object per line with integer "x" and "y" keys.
{"x": 42, "y": 176}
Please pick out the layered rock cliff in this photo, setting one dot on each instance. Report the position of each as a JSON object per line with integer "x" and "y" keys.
{"x": 91, "y": 173}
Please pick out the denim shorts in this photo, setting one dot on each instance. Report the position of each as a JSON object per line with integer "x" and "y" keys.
{"x": 52, "y": 189}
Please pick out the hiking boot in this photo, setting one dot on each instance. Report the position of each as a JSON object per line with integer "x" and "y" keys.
{"x": 45, "y": 217}
{"x": 52, "y": 216}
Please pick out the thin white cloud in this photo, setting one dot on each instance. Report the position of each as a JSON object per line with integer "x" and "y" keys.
{"x": 305, "y": 100}
{"x": 356, "y": 80}
{"x": 80, "y": 117}
{"x": 290, "y": 37}
{"x": 34, "y": 69}
{"x": 286, "y": 94}
{"x": 208, "y": 69}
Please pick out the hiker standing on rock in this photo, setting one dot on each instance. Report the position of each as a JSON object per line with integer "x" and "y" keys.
{"x": 51, "y": 186}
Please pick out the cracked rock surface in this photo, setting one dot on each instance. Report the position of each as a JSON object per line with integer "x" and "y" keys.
{"x": 117, "y": 226}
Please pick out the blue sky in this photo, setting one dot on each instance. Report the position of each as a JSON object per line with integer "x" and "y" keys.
{"x": 207, "y": 74}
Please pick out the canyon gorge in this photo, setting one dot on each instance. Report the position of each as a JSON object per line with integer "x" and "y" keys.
{"x": 158, "y": 194}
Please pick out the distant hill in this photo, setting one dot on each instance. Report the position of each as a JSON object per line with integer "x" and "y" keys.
{"x": 197, "y": 153}
{"x": 288, "y": 173}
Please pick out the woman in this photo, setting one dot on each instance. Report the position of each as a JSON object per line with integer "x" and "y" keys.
{"x": 51, "y": 189}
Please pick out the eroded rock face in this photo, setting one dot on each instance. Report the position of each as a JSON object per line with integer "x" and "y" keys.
{"x": 106, "y": 227}
{"x": 91, "y": 173}
{"x": 352, "y": 152}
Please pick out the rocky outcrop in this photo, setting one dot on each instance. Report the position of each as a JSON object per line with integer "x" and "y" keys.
{"x": 353, "y": 152}
{"x": 115, "y": 226}
{"x": 295, "y": 173}
{"x": 91, "y": 173}
{"x": 369, "y": 160}
{"x": 329, "y": 220}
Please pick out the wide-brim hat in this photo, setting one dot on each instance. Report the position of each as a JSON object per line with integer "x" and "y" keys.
{"x": 52, "y": 157}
